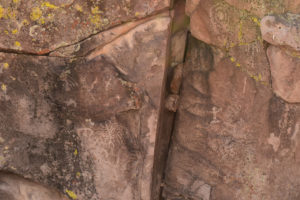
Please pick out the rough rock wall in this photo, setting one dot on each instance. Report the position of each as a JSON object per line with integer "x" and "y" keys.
{"x": 81, "y": 92}
{"x": 91, "y": 92}
{"x": 236, "y": 129}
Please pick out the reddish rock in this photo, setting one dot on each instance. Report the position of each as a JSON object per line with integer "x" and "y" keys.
{"x": 292, "y": 6}
{"x": 39, "y": 27}
{"x": 230, "y": 131}
{"x": 222, "y": 25}
{"x": 282, "y": 30}
{"x": 285, "y": 70}
{"x": 261, "y": 7}
{"x": 87, "y": 125}
{"x": 17, "y": 188}
{"x": 191, "y": 5}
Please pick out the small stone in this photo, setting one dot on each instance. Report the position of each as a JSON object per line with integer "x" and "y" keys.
{"x": 172, "y": 102}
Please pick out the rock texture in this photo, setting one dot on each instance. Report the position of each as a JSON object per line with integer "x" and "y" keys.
{"x": 13, "y": 187}
{"x": 87, "y": 125}
{"x": 282, "y": 30}
{"x": 149, "y": 100}
{"x": 232, "y": 138}
{"x": 219, "y": 24}
{"x": 41, "y": 26}
{"x": 285, "y": 70}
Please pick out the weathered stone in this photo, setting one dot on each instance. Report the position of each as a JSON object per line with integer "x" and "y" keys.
{"x": 217, "y": 23}
{"x": 230, "y": 135}
{"x": 285, "y": 71}
{"x": 13, "y": 187}
{"x": 191, "y": 5}
{"x": 260, "y": 7}
{"x": 87, "y": 125}
{"x": 41, "y": 26}
{"x": 176, "y": 79}
{"x": 252, "y": 60}
{"x": 178, "y": 43}
{"x": 172, "y": 102}
{"x": 282, "y": 30}
{"x": 292, "y": 5}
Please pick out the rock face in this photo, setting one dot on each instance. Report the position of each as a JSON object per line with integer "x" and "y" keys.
{"x": 149, "y": 100}
{"x": 282, "y": 30}
{"x": 87, "y": 125}
{"x": 285, "y": 70}
{"x": 13, "y": 187}
{"x": 228, "y": 140}
{"x": 219, "y": 24}
{"x": 42, "y": 26}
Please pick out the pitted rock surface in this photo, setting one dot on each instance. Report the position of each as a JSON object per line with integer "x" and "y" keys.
{"x": 41, "y": 26}
{"x": 282, "y": 30}
{"x": 285, "y": 71}
{"x": 87, "y": 125}
{"x": 230, "y": 131}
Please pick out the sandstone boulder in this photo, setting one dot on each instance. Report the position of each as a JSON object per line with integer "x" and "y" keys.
{"x": 285, "y": 71}
{"x": 39, "y": 27}
{"x": 222, "y": 25}
{"x": 282, "y": 30}
{"x": 87, "y": 125}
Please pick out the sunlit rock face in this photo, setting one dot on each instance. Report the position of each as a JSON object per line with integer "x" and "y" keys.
{"x": 235, "y": 132}
{"x": 149, "y": 100}
{"x": 42, "y": 26}
{"x": 86, "y": 121}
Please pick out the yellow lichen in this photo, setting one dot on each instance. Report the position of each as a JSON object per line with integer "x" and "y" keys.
{"x": 5, "y": 65}
{"x": 1, "y": 11}
{"x": 232, "y": 59}
{"x": 75, "y": 152}
{"x": 95, "y": 10}
{"x": 16, "y": 1}
{"x": 137, "y": 14}
{"x": 18, "y": 44}
{"x": 71, "y": 194}
{"x": 96, "y": 20}
{"x": 11, "y": 13}
{"x": 25, "y": 22}
{"x": 49, "y": 5}
{"x": 42, "y": 20}
{"x": 3, "y": 87}
{"x": 78, "y": 174}
{"x": 35, "y": 14}
{"x": 15, "y": 31}
{"x": 6, "y": 32}
{"x": 78, "y": 7}
{"x": 254, "y": 19}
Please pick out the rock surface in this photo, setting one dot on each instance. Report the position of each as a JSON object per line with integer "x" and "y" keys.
{"x": 87, "y": 125}
{"x": 220, "y": 24}
{"x": 13, "y": 187}
{"x": 232, "y": 138}
{"x": 285, "y": 70}
{"x": 41, "y": 26}
{"x": 109, "y": 100}
{"x": 282, "y": 30}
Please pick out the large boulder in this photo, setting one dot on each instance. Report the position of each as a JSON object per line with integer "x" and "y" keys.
{"x": 282, "y": 30}
{"x": 39, "y": 27}
{"x": 87, "y": 125}
{"x": 285, "y": 71}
